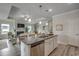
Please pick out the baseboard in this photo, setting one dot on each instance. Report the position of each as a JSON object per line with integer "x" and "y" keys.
{"x": 62, "y": 43}
{"x": 73, "y": 45}
{"x": 52, "y": 51}
{"x": 68, "y": 44}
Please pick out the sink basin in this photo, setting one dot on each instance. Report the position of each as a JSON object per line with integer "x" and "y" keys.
{"x": 42, "y": 36}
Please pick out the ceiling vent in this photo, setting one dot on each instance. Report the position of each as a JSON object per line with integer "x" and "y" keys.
{"x": 40, "y": 6}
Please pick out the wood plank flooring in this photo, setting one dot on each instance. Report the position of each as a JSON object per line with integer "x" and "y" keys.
{"x": 61, "y": 50}
{"x": 65, "y": 50}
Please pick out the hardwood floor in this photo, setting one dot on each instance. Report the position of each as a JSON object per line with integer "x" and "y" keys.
{"x": 61, "y": 50}
{"x": 65, "y": 50}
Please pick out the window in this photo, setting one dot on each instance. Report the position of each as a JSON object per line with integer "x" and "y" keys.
{"x": 5, "y": 28}
{"x": 29, "y": 29}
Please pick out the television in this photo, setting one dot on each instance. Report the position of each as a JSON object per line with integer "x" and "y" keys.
{"x": 19, "y": 25}
{"x": 19, "y": 32}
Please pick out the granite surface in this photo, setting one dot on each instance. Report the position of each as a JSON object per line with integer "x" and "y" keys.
{"x": 32, "y": 40}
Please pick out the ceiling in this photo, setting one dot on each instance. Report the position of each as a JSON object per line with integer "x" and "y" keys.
{"x": 36, "y": 12}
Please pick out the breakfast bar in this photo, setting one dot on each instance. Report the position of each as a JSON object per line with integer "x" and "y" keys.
{"x": 38, "y": 46}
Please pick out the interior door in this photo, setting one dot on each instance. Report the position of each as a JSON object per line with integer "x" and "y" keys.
{"x": 74, "y": 32}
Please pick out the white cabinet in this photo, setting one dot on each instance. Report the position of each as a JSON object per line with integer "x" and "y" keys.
{"x": 55, "y": 42}
{"x": 47, "y": 47}
{"x": 50, "y": 45}
{"x": 40, "y": 48}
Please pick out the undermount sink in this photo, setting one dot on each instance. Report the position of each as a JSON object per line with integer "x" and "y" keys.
{"x": 43, "y": 36}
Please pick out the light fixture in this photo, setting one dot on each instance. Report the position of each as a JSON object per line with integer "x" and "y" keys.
{"x": 46, "y": 23}
{"x": 40, "y": 22}
{"x": 29, "y": 20}
{"x": 50, "y": 10}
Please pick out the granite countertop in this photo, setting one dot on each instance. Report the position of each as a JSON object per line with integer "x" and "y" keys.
{"x": 32, "y": 40}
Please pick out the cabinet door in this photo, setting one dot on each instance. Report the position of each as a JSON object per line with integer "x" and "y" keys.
{"x": 38, "y": 50}
{"x": 34, "y": 51}
{"x": 41, "y": 49}
{"x": 51, "y": 45}
{"x": 55, "y": 42}
{"x": 47, "y": 47}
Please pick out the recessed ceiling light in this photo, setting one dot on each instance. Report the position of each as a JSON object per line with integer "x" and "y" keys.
{"x": 46, "y": 23}
{"x": 50, "y": 10}
{"x": 29, "y": 20}
{"x": 40, "y": 22}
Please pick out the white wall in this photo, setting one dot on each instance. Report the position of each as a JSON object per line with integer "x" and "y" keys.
{"x": 70, "y": 22}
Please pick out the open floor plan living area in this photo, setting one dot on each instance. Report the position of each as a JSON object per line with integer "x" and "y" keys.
{"x": 39, "y": 29}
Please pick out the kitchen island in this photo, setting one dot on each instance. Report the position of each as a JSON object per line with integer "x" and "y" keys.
{"x": 39, "y": 46}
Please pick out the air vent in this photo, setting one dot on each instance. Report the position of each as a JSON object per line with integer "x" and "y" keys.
{"x": 40, "y": 6}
